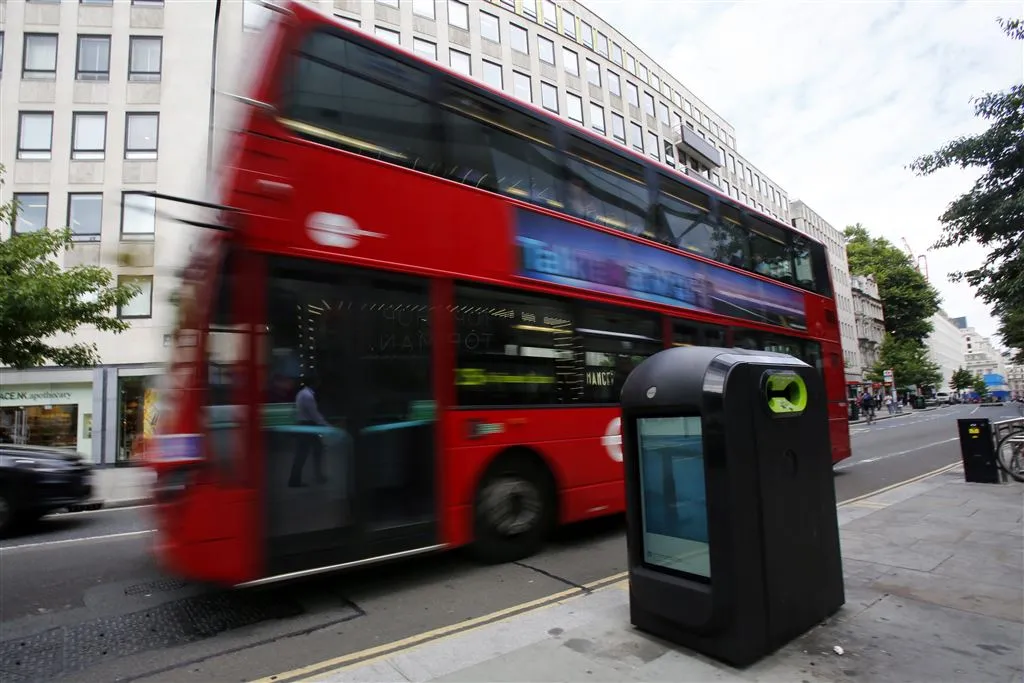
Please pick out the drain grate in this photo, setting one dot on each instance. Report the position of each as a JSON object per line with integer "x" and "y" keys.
{"x": 161, "y": 586}
{"x": 63, "y": 651}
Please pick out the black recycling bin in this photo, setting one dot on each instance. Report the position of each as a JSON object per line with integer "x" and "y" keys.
{"x": 978, "y": 450}
{"x": 732, "y": 534}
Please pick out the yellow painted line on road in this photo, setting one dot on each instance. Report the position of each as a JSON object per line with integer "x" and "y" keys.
{"x": 373, "y": 653}
{"x": 379, "y": 652}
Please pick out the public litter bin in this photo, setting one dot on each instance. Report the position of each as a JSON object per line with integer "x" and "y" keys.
{"x": 732, "y": 535}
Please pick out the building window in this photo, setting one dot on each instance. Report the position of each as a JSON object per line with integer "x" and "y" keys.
{"x": 550, "y": 14}
{"x": 597, "y": 118}
{"x": 649, "y": 104}
{"x": 618, "y": 128}
{"x": 572, "y": 61}
{"x": 138, "y": 214}
{"x": 614, "y": 84}
{"x": 97, "y": 2}
{"x": 460, "y": 62}
{"x": 35, "y": 134}
{"x": 88, "y": 135}
{"x": 616, "y": 54}
{"x": 458, "y": 14}
{"x": 574, "y": 107}
{"x": 40, "y": 58}
{"x": 602, "y": 45}
{"x": 587, "y": 34}
{"x": 546, "y": 50}
{"x": 492, "y": 75}
{"x": 520, "y": 39}
{"x": 93, "y": 58}
{"x": 677, "y": 123}
{"x": 388, "y": 3}
{"x": 254, "y": 16}
{"x": 652, "y": 144}
{"x": 663, "y": 113}
{"x": 1, "y": 52}
{"x": 490, "y": 27}
{"x": 424, "y": 8}
{"x": 85, "y": 215}
{"x": 655, "y": 82}
{"x": 144, "y": 57}
{"x": 633, "y": 94}
{"x": 636, "y": 136}
{"x": 142, "y": 134}
{"x": 644, "y": 74}
{"x": 530, "y": 9}
{"x": 521, "y": 86}
{"x": 549, "y": 96}
{"x": 141, "y": 305}
{"x": 593, "y": 73}
{"x": 631, "y": 64}
{"x": 387, "y": 35}
{"x": 348, "y": 20}
{"x": 424, "y": 48}
{"x": 30, "y": 212}
{"x": 569, "y": 23}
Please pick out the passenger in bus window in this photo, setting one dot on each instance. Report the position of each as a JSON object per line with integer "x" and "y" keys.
{"x": 307, "y": 414}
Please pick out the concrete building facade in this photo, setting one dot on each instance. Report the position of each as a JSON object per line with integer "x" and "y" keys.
{"x": 869, "y": 319}
{"x": 804, "y": 219}
{"x": 945, "y": 347}
{"x": 103, "y": 99}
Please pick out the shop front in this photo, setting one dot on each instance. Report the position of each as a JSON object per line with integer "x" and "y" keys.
{"x": 138, "y": 412}
{"x": 57, "y": 415}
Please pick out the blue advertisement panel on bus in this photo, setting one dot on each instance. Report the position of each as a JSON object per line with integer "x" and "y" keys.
{"x": 565, "y": 253}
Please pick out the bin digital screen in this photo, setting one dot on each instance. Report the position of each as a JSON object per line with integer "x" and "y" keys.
{"x": 674, "y": 500}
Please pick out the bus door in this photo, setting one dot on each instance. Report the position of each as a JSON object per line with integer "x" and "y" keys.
{"x": 348, "y": 424}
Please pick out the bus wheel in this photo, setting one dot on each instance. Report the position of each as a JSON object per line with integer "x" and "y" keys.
{"x": 514, "y": 509}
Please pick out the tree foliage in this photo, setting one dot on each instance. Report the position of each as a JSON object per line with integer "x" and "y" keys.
{"x": 980, "y": 388}
{"x": 961, "y": 380}
{"x": 40, "y": 299}
{"x": 908, "y": 300}
{"x": 908, "y": 359}
{"x": 992, "y": 212}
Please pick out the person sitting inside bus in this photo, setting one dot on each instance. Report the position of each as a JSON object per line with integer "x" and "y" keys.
{"x": 308, "y": 414}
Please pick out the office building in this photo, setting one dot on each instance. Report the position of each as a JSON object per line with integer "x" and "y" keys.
{"x": 810, "y": 223}
{"x": 945, "y": 347}
{"x": 103, "y": 99}
{"x": 869, "y": 319}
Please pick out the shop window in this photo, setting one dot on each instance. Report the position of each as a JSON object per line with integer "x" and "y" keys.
{"x": 138, "y": 411}
{"x": 50, "y": 425}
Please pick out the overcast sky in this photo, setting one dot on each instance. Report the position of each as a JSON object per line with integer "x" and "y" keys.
{"x": 833, "y": 99}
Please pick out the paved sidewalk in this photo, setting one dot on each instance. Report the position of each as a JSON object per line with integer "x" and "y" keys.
{"x": 884, "y": 415}
{"x": 934, "y": 590}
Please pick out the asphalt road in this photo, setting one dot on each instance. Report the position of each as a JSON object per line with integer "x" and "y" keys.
{"x": 80, "y": 596}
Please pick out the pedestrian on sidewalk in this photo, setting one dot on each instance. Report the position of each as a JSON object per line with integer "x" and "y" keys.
{"x": 889, "y": 404}
{"x": 867, "y": 406}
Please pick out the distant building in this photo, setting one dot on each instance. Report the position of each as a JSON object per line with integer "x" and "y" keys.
{"x": 1014, "y": 376}
{"x": 946, "y": 347}
{"x": 808, "y": 222}
{"x": 983, "y": 360}
{"x": 869, "y": 319}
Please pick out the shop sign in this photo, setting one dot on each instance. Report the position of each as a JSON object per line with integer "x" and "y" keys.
{"x": 35, "y": 396}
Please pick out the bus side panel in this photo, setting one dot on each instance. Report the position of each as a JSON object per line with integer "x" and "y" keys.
{"x": 579, "y": 445}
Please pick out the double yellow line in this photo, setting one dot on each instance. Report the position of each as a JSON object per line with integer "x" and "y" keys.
{"x": 382, "y": 651}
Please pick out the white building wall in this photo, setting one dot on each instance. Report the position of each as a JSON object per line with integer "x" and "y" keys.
{"x": 804, "y": 219}
{"x": 945, "y": 347}
{"x": 869, "y": 318}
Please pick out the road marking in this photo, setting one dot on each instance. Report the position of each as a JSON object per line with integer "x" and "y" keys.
{"x": 68, "y": 541}
{"x": 865, "y": 461}
{"x": 370, "y": 655}
{"x": 975, "y": 410}
{"x": 373, "y": 653}
{"x": 93, "y": 512}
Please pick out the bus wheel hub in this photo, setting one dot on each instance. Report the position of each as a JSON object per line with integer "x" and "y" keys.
{"x": 511, "y": 506}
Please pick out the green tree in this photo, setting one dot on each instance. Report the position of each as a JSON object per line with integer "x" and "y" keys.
{"x": 961, "y": 380}
{"x": 909, "y": 362}
{"x": 980, "y": 387}
{"x": 40, "y": 299}
{"x": 908, "y": 300}
{"x": 992, "y": 212}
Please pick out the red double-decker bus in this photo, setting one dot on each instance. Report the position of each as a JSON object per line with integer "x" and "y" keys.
{"x": 411, "y": 331}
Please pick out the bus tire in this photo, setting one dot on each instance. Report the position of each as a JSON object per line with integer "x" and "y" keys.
{"x": 514, "y": 508}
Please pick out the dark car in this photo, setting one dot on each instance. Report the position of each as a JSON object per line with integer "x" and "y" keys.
{"x": 37, "y": 480}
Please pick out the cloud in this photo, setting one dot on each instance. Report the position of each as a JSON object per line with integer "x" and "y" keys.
{"x": 833, "y": 100}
